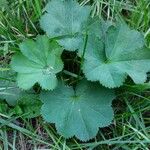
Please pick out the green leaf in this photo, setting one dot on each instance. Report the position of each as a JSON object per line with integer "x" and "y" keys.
{"x": 78, "y": 112}
{"x": 65, "y": 19}
{"x": 122, "y": 53}
{"x": 38, "y": 62}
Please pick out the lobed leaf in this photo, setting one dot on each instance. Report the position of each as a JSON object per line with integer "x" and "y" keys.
{"x": 80, "y": 112}
{"x": 38, "y": 62}
{"x": 65, "y": 19}
{"x": 122, "y": 53}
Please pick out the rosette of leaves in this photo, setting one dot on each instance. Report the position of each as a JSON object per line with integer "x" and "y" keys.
{"x": 38, "y": 62}
{"x": 120, "y": 53}
{"x": 78, "y": 112}
{"x": 110, "y": 53}
{"x": 65, "y": 20}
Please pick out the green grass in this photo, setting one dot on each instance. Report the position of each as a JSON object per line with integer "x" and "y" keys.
{"x": 131, "y": 127}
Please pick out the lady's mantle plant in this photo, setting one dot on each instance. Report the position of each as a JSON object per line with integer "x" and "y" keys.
{"x": 109, "y": 53}
{"x": 38, "y": 62}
